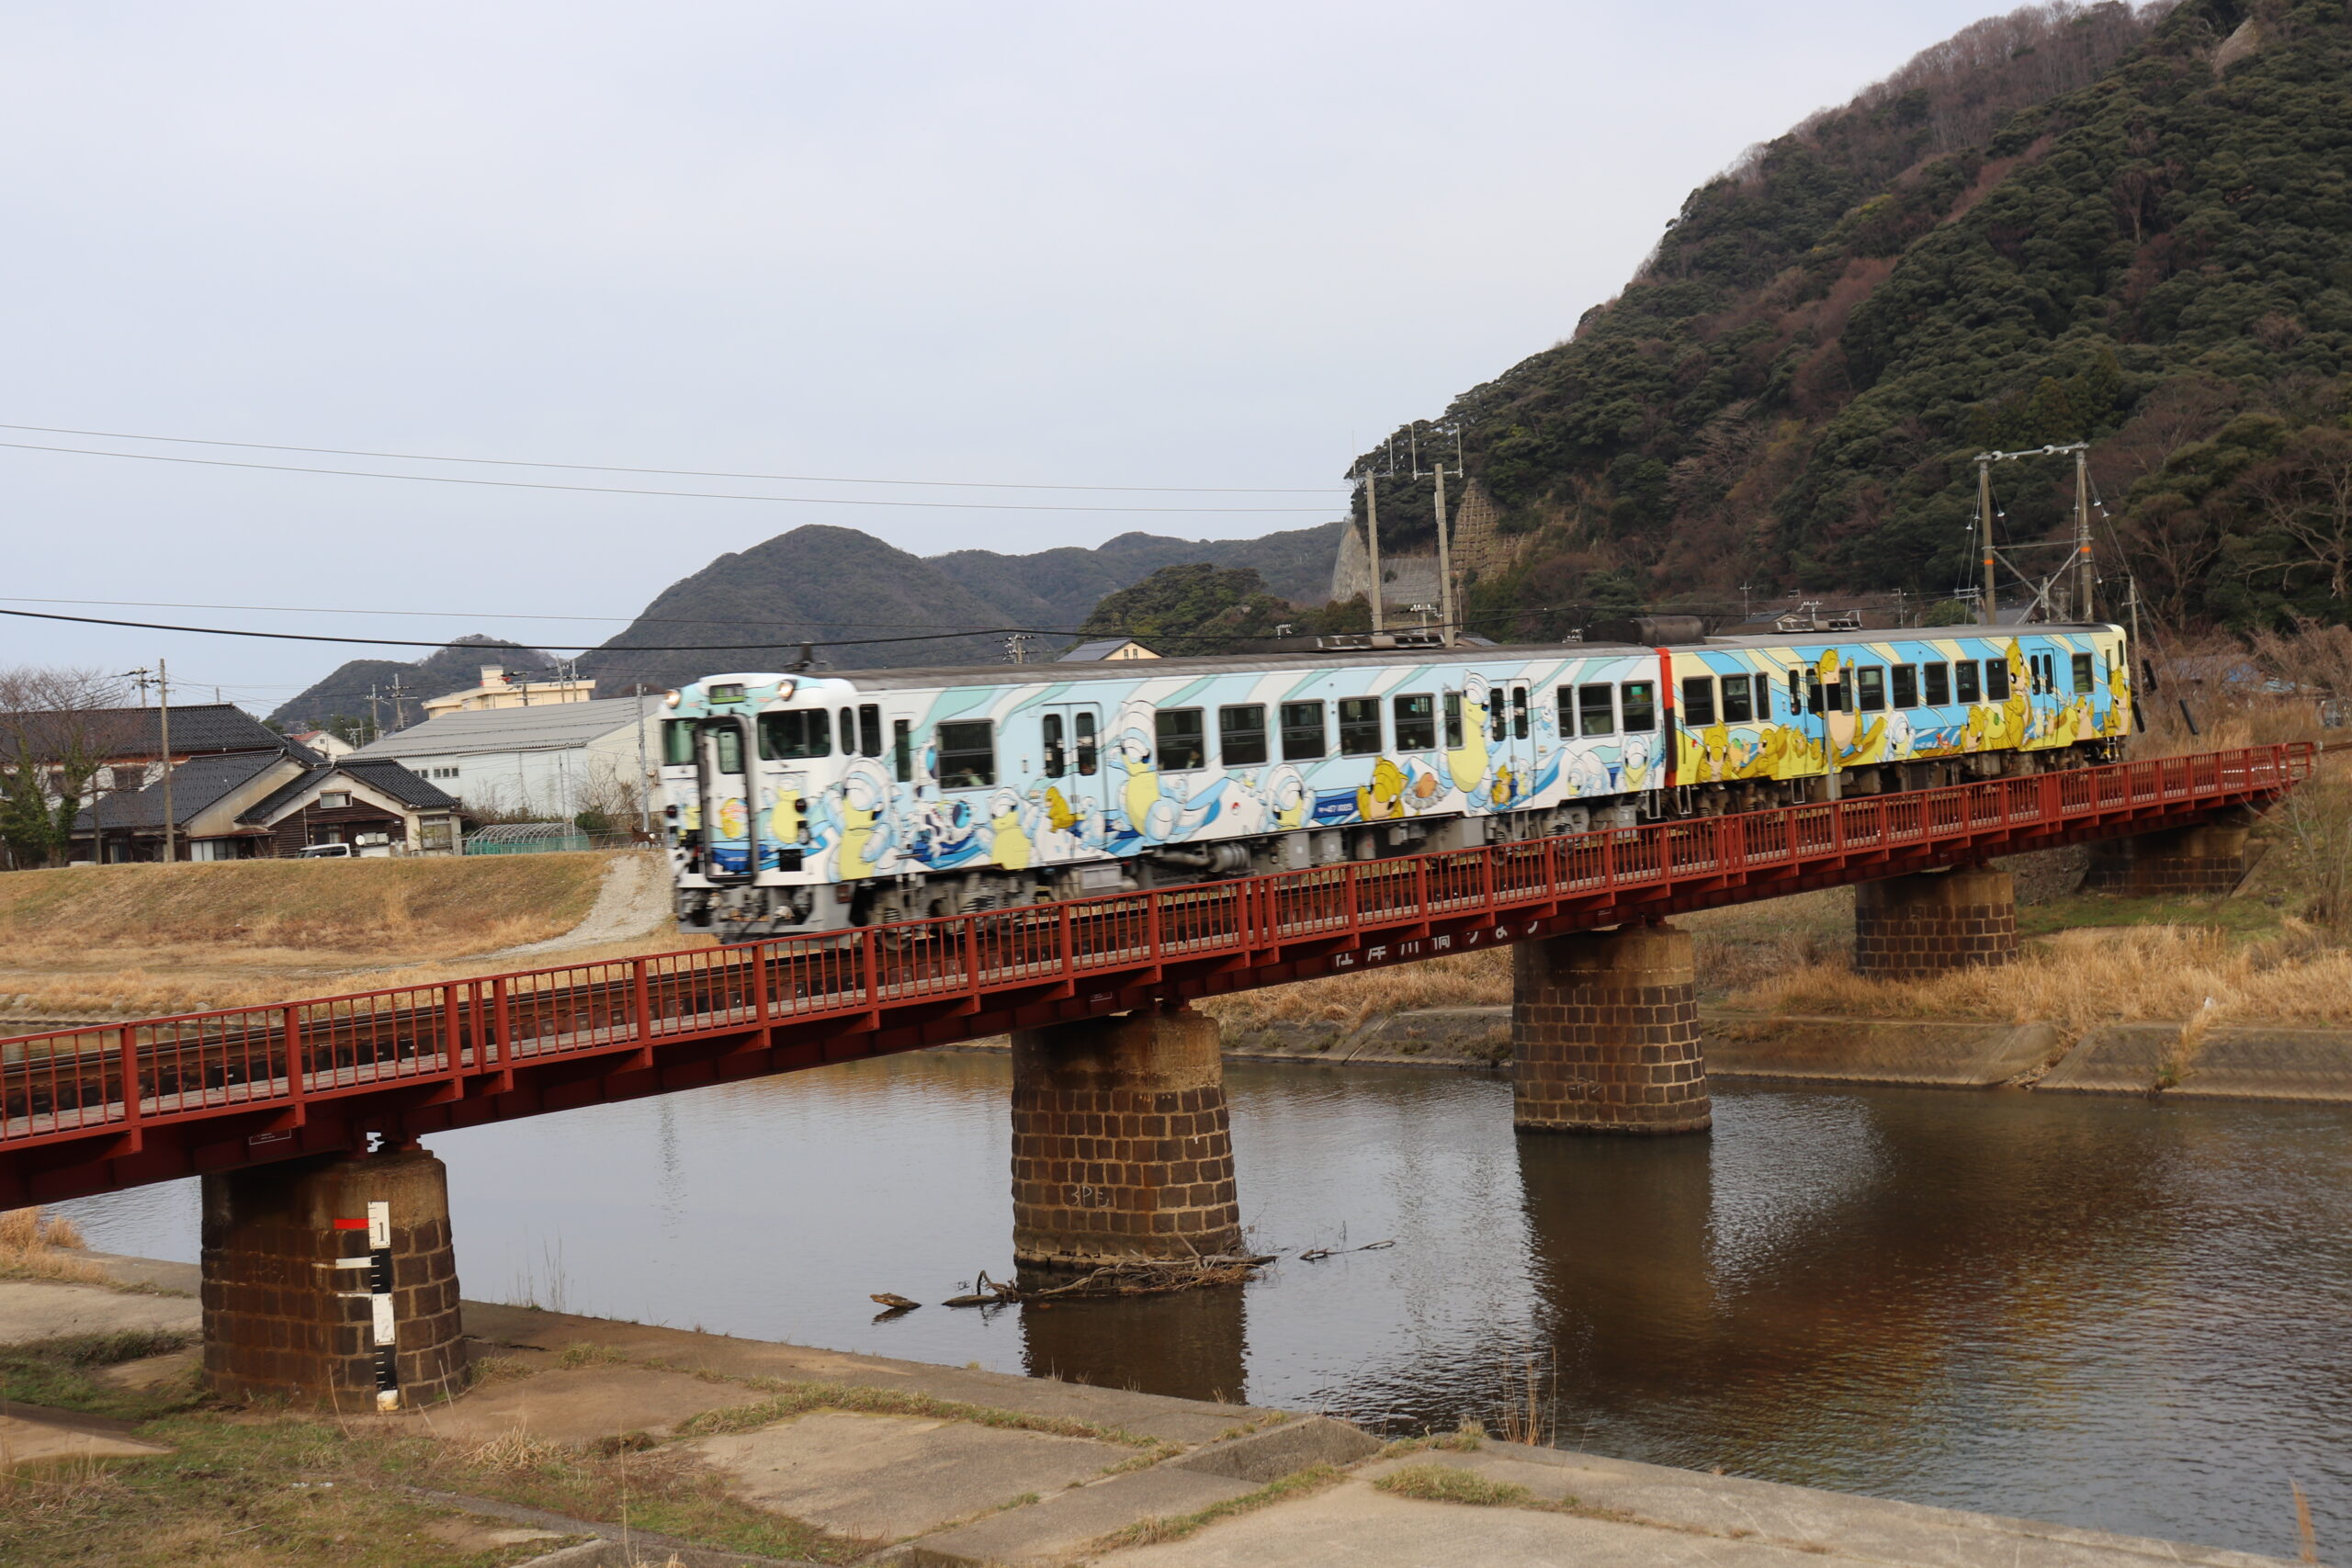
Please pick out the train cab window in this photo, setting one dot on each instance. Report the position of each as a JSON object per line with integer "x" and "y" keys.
{"x": 1595, "y": 707}
{"x": 1183, "y": 742}
{"x": 1870, "y": 688}
{"x": 1519, "y": 713}
{"x": 1906, "y": 685}
{"x": 1304, "y": 739}
{"x": 1415, "y": 722}
{"x": 2081, "y": 674}
{"x": 1965, "y": 687}
{"x": 1056, "y": 747}
{"x": 794, "y": 737}
{"x": 1241, "y": 735}
{"x": 1698, "y": 700}
{"x": 1739, "y": 704}
{"x": 1641, "y": 707}
{"x": 966, "y": 754}
{"x": 1997, "y": 680}
{"x": 1090, "y": 745}
{"x": 1453, "y": 721}
{"x": 729, "y": 747}
{"x": 869, "y": 730}
{"x": 902, "y": 750}
{"x": 678, "y": 743}
{"x": 1937, "y": 677}
{"x": 1358, "y": 727}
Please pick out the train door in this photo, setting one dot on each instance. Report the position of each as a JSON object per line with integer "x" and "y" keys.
{"x": 1511, "y": 740}
{"x": 1074, "y": 767}
{"x": 722, "y": 779}
{"x": 1804, "y": 695}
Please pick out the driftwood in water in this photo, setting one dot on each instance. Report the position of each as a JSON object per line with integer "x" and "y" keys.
{"x": 1135, "y": 1276}
{"x": 1318, "y": 1254}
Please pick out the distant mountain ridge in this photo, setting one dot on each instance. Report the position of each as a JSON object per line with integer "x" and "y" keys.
{"x": 752, "y": 609}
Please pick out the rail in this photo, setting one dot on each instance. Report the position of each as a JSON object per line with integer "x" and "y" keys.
{"x": 123, "y": 1077}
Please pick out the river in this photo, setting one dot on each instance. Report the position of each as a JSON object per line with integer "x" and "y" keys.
{"x": 2114, "y": 1314}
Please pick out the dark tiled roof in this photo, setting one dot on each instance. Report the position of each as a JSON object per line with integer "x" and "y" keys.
{"x": 197, "y": 783}
{"x": 385, "y": 777}
{"x": 198, "y": 728}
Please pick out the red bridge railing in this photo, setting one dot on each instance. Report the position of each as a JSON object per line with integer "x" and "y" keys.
{"x": 123, "y": 1078}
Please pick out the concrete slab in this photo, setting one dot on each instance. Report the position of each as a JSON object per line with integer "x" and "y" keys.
{"x": 886, "y": 1477}
{"x": 1949, "y": 1053}
{"x": 1048, "y": 1532}
{"x": 150, "y": 1372}
{"x": 25, "y": 1439}
{"x": 50, "y": 1309}
{"x": 1185, "y": 1421}
{"x": 1283, "y": 1451}
{"x": 579, "y": 1405}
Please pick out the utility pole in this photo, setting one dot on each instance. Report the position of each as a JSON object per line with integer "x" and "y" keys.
{"x": 2086, "y": 577}
{"x": 1985, "y": 520}
{"x": 164, "y": 707}
{"x": 1371, "y": 542}
{"x": 375, "y": 713}
{"x": 1446, "y": 630}
{"x": 399, "y": 709}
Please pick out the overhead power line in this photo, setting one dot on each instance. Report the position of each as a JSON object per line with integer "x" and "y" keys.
{"x": 458, "y": 615}
{"x": 624, "y": 490}
{"x": 681, "y": 473}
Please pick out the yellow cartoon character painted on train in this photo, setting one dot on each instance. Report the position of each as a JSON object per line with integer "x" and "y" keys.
{"x": 2119, "y": 697}
{"x": 785, "y": 815}
{"x": 865, "y": 834}
{"x": 1383, "y": 799}
{"x": 1008, "y": 841}
{"x": 1467, "y": 762}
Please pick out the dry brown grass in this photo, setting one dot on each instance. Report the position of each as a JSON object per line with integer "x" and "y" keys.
{"x": 2098, "y": 976}
{"x": 38, "y": 1247}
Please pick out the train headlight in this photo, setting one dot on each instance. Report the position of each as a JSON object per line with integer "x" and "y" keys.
{"x": 669, "y": 699}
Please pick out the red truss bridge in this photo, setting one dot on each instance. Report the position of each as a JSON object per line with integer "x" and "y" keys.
{"x": 118, "y": 1105}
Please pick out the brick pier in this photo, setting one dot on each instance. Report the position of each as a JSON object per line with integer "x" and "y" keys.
{"x": 1120, "y": 1146}
{"x": 2207, "y": 861}
{"x": 287, "y": 1315}
{"x": 1935, "y": 922}
{"x": 1604, "y": 1030}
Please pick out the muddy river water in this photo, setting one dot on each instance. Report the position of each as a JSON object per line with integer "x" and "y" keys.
{"x": 2111, "y": 1314}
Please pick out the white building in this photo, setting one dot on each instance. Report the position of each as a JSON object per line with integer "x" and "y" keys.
{"x": 500, "y": 689}
{"x": 550, "y": 762}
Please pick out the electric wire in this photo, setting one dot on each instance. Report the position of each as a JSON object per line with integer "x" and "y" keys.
{"x": 668, "y": 494}
{"x": 680, "y": 473}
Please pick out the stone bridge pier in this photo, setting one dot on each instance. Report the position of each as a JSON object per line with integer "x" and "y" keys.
{"x": 1931, "y": 922}
{"x": 1121, "y": 1150}
{"x": 332, "y": 1281}
{"x": 2205, "y": 860}
{"x": 1604, "y": 1029}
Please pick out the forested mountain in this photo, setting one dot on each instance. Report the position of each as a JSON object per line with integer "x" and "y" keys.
{"x": 2069, "y": 221}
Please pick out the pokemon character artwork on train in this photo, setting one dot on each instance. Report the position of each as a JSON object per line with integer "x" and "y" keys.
{"x": 799, "y": 803}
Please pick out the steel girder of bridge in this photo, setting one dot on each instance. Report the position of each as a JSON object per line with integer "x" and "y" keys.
{"x": 96, "y": 1109}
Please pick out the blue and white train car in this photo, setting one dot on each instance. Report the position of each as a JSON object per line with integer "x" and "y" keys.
{"x": 807, "y": 802}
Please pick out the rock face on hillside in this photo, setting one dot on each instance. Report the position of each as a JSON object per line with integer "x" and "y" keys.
{"x": 824, "y": 584}
{"x": 2074, "y": 221}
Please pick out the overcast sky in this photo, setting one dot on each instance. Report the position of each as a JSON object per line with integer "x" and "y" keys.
{"x": 1208, "y": 245}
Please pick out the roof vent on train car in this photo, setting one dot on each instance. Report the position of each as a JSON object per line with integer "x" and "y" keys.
{"x": 1652, "y": 631}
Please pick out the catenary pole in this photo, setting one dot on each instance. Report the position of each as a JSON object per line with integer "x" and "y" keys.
{"x": 163, "y": 706}
{"x": 1984, "y": 517}
{"x": 1372, "y": 541}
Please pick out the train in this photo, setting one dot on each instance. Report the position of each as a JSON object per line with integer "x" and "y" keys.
{"x": 798, "y": 802}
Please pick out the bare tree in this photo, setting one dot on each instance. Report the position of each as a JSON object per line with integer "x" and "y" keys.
{"x": 2305, "y": 502}
{"x": 58, "y": 727}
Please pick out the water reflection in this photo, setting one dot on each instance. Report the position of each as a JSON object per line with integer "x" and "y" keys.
{"x": 2116, "y": 1314}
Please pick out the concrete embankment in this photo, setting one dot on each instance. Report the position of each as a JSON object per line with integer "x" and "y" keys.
{"x": 2216, "y": 1062}
{"x": 937, "y": 1467}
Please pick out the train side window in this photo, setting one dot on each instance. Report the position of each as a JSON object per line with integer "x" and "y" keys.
{"x": 1812, "y": 692}
{"x": 1997, "y": 680}
{"x": 2081, "y": 674}
{"x": 869, "y": 730}
{"x": 1241, "y": 735}
{"x": 1519, "y": 713}
{"x": 794, "y": 737}
{"x": 731, "y": 747}
{"x": 1698, "y": 700}
{"x": 1303, "y": 738}
{"x": 1938, "y": 683}
{"x": 1739, "y": 705}
{"x": 1453, "y": 721}
{"x": 1498, "y": 721}
{"x": 1056, "y": 753}
{"x": 678, "y": 743}
{"x": 1089, "y": 748}
{"x": 849, "y": 732}
{"x": 1182, "y": 740}
{"x": 1870, "y": 688}
{"x": 1965, "y": 686}
{"x": 1415, "y": 722}
{"x": 1595, "y": 710}
{"x": 1796, "y": 695}
{"x": 966, "y": 754}
{"x": 1641, "y": 707}
{"x": 902, "y": 750}
{"x": 1906, "y": 685}
{"x": 1358, "y": 727}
